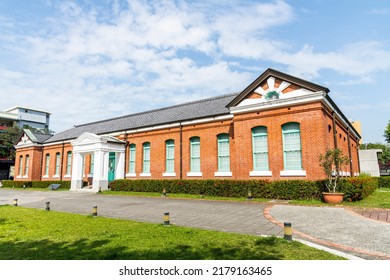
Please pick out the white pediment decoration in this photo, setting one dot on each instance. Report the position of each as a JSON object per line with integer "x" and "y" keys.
{"x": 24, "y": 141}
{"x": 274, "y": 93}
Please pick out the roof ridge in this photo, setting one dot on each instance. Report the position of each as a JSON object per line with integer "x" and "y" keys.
{"x": 161, "y": 109}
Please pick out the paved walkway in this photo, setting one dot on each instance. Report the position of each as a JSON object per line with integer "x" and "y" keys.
{"x": 332, "y": 227}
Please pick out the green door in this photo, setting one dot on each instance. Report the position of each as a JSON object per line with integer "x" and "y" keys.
{"x": 111, "y": 167}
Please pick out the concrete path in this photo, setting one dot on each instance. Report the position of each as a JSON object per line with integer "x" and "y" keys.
{"x": 332, "y": 227}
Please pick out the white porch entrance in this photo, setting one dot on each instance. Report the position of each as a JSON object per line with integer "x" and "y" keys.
{"x": 108, "y": 156}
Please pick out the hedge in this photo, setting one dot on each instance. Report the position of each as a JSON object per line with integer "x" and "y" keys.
{"x": 353, "y": 188}
{"x": 34, "y": 184}
{"x": 384, "y": 182}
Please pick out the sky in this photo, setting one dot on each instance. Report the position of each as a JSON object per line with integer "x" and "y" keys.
{"x": 87, "y": 60}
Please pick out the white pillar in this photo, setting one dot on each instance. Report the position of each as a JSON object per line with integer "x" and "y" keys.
{"x": 100, "y": 180}
{"x": 120, "y": 165}
{"x": 77, "y": 172}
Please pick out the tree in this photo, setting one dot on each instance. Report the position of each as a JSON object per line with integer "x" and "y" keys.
{"x": 8, "y": 137}
{"x": 387, "y": 133}
{"x": 332, "y": 162}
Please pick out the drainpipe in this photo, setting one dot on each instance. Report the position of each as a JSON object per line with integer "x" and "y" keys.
{"x": 349, "y": 153}
{"x": 181, "y": 151}
{"x": 40, "y": 173}
{"x": 126, "y": 148}
{"x": 62, "y": 161}
{"x": 334, "y": 130}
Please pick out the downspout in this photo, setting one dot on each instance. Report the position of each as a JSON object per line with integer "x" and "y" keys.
{"x": 62, "y": 161}
{"x": 350, "y": 153}
{"x": 334, "y": 130}
{"x": 40, "y": 173}
{"x": 181, "y": 151}
{"x": 126, "y": 148}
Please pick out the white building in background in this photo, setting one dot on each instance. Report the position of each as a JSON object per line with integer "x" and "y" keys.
{"x": 368, "y": 160}
{"x": 24, "y": 116}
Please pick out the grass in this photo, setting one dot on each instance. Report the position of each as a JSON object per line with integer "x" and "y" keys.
{"x": 37, "y": 234}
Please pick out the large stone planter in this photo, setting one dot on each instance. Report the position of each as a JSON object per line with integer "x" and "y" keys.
{"x": 333, "y": 198}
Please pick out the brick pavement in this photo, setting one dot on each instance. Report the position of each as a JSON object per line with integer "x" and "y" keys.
{"x": 382, "y": 215}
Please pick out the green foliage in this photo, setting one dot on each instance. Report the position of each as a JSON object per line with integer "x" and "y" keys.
{"x": 387, "y": 133}
{"x": 7, "y": 141}
{"x": 383, "y": 157}
{"x": 331, "y": 162}
{"x": 16, "y": 184}
{"x": 355, "y": 189}
{"x": 34, "y": 184}
{"x": 384, "y": 182}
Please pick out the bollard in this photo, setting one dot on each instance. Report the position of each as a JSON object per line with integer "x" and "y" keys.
{"x": 47, "y": 206}
{"x": 166, "y": 219}
{"x": 287, "y": 231}
{"x": 15, "y": 202}
{"x": 250, "y": 195}
{"x": 164, "y": 193}
{"x": 94, "y": 211}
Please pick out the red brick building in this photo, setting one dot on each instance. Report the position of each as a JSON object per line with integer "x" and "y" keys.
{"x": 274, "y": 129}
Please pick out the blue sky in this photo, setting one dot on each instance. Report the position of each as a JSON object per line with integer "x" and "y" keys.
{"x": 90, "y": 60}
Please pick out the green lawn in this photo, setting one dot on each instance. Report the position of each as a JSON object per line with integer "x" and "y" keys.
{"x": 37, "y": 234}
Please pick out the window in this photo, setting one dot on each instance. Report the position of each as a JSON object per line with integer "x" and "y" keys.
{"x": 26, "y": 165}
{"x": 195, "y": 154}
{"x": 260, "y": 148}
{"x": 132, "y": 158}
{"x": 57, "y": 171}
{"x": 170, "y": 156}
{"x": 146, "y": 158}
{"x": 292, "y": 146}
{"x": 92, "y": 164}
{"x": 223, "y": 153}
{"x": 68, "y": 162}
{"x": 20, "y": 165}
{"x": 47, "y": 164}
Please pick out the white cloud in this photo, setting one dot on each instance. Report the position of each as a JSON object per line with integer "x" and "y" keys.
{"x": 89, "y": 62}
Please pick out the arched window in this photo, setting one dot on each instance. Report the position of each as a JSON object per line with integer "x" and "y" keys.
{"x": 292, "y": 146}
{"x": 68, "y": 162}
{"x": 132, "y": 154}
{"x": 57, "y": 170}
{"x": 20, "y": 165}
{"x": 146, "y": 157}
{"x": 195, "y": 154}
{"x": 223, "y": 153}
{"x": 170, "y": 156}
{"x": 27, "y": 165}
{"x": 260, "y": 148}
{"x": 47, "y": 164}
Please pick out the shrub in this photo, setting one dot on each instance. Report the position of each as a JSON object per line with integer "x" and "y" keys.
{"x": 46, "y": 184}
{"x": 358, "y": 188}
{"x": 384, "y": 182}
{"x": 16, "y": 184}
{"x": 34, "y": 184}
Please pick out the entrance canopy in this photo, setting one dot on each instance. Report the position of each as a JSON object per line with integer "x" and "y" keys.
{"x": 109, "y": 160}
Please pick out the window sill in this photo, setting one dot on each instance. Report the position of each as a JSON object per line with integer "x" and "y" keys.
{"x": 194, "y": 174}
{"x": 67, "y": 176}
{"x": 145, "y": 175}
{"x": 293, "y": 173}
{"x": 128, "y": 175}
{"x": 223, "y": 174}
{"x": 45, "y": 176}
{"x": 56, "y": 176}
{"x": 264, "y": 173}
{"x": 169, "y": 174}
{"x": 19, "y": 177}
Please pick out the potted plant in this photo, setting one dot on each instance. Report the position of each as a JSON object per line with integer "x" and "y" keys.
{"x": 331, "y": 163}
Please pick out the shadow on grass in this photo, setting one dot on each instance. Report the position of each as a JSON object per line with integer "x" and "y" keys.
{"x": 102, "y": 250}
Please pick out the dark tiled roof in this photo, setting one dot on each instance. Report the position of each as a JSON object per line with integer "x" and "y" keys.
{"x": 42, "y": 137}
{"x": 188, "y": 111}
